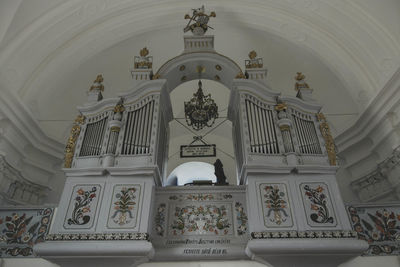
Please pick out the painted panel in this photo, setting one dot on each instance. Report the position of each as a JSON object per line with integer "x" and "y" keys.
{"x": 318, "y": 205}
{"x": 276, "y": 208}
{"x": 82, "y": 207}
{"x": 124, "y": 206}
{"x": 201, "y": 219}
{"x": 379, "y": 226}
{"x": 21, "y": 229}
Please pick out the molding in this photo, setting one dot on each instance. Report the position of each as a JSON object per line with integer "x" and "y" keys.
{"x": 383, "y": 103}
{"x": 304, "y": 234}
{"x": 21, "y": 118}
{"x": 96, "y": 237}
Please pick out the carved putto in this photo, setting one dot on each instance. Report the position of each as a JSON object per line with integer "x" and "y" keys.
{"x": 198, "y": 21}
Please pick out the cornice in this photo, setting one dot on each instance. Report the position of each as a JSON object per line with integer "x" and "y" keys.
{"x": 386, "y": 100}
{"x": 21, "y": 118}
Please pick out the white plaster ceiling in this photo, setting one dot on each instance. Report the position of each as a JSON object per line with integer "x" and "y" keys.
{"x": 51, "y": 51}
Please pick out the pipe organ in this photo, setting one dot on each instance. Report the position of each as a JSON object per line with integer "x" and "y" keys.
{"x": 286, "y": 200}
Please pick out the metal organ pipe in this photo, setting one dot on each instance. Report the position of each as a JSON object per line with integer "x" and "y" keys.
{"x": 93, "y": 139}
{"x": 263, "y": 139}
{"x": 137, "y": 136}
{"x": 249, "y": 123}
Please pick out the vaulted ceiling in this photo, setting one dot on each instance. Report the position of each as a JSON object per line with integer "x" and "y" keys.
{"x": 51, "y": 50}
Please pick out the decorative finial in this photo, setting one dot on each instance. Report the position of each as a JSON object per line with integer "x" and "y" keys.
{"x": 144, "y": 61}
{"x": 144, "y": 52}
{"x": 97, "y": 86}
{"x": 252, "y": 54}
{"x": 198, "y": 21}
{"x": 253, "y": 62}
{"x": 300, "y": 84}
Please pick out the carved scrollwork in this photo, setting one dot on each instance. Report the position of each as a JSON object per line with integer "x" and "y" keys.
{"x": 70, "y": 147}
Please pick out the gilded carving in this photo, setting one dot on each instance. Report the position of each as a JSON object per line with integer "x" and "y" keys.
{"x": 300, "y": 84}
{"x": 70, "y": 147}
{"x": 240, "y": 75}
{"x": 119, "y": 108}
{"x": 253, "y": 62}
{"x": 115, "y": 129}
{"x": 97, "y": 84}
{"x": 284, "y": 127}
{"x": 329, "y": 142}
{"x": 281, "y": 107}
{"x": 156, "y": 76}
{"x": 198, "y": 21}
{"x": 144, "y": 61}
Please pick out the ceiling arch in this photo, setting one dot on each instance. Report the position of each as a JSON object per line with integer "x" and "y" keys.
{"x": 360, "y": 50}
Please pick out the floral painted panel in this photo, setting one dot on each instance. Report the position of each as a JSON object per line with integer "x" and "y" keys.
{"x": 213, "y": 219}
{"x": 82, "y": 207}
{"x": 241, "y": 218}
{"x": 318, "y": 204}
{"x": 21, "y": 229}
{"x": 124, "y": 206}
{"x": 160, "y": 219}
{"x": 276, "y": 208}
{"x": 379, "y": 226}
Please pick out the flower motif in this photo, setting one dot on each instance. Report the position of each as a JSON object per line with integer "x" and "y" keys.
{"x": 86, "y": 209}
{"x": 81, "y": 191}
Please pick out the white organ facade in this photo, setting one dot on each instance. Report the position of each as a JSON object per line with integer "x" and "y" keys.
{"x": 283, "y": 208}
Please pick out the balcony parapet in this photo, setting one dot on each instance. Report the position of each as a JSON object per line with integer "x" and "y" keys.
{"x": 379, "y": 225}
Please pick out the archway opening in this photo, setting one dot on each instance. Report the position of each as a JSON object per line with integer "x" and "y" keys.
{"x": 219, "y": 135}
{"x": 189, "y": 172}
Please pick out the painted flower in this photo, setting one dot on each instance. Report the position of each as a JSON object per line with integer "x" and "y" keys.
{"x": 45, "y": 220}
{"x": 375, "y": 236}
{"x": 94, "y": 189}
{"x": 314, "y": 207}
{"x": 26, "y": 238}
{"x": 387, "y": 249}
{"x": 319, "y": 189}
{"x": 398, "y": 217}
{"x": 1, "y": 221}
{"x": 81, "y": 191}
{"x": 93, "y": 195}
{"x": 359, "y": 229}
{"x": 42, "y": 229}
{"x": 355, "y": 219}
{"x": 86, "y": 209}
